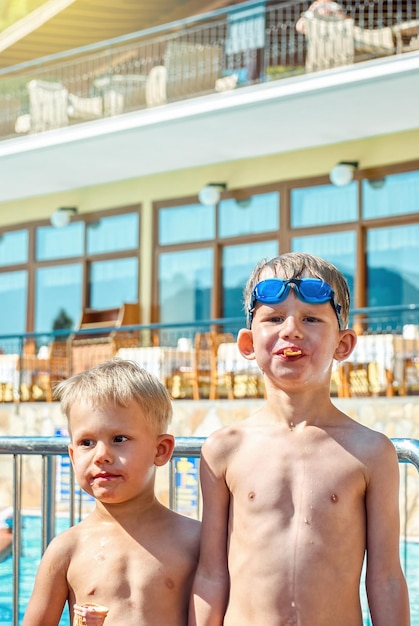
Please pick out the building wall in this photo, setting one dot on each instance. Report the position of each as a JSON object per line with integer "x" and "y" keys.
{"x": 370, "y": 152}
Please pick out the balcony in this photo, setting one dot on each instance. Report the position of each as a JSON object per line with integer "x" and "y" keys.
{"x": 200, "y": 360}
{"x": 210, "y": 77}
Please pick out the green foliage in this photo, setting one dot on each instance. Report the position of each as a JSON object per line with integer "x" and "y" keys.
{"x": 281, "y": 71}
{"x": 62, "y": 321}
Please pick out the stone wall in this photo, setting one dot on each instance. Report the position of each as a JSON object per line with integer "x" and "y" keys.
{"x": 396, "y": 417}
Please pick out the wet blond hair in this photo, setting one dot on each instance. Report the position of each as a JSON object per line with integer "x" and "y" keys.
{"x": 117, "y": 382}
{"x": 301, "y": 265}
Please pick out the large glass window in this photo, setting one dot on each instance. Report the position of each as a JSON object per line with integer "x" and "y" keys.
{"x": 58, "y": 272}
{"x": 396, "y": 194}
{"x": 256, "y": 214}
{"x": 14, "y": 247}
{"x": 195, "y": 249}
{"x": 58, "y": 296}
{"x": 393, "y": 272}
{"x": 59, "y": 243}
{"x": 324, "y": 204}
{"x": 337, "y": 248}
{"x": 185, "y": 285}
{"x": 113, "y": 234}
{"x": 13, "y": 296}
{"x": 113, "y": 282}
{"x": 238, "y": 262}
{"x": 183, "y": 224}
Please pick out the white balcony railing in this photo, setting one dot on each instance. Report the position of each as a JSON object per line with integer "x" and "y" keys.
{"x": 222, "y": 50}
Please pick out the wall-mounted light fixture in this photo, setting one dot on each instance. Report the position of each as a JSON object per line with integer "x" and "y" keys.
{"x": 343, "y": 173}
{"x": 210, "y": 194}
{"x": 61, "y": 217}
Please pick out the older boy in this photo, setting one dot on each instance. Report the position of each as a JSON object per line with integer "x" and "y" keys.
{"x": 131, "y": 554}
{"x": 295, "y": 496}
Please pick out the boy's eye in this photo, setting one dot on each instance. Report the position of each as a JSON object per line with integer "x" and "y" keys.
{"x": 120, "y": 438}
{"x": 277, "y": 319}
{"x": 86, "y": 443}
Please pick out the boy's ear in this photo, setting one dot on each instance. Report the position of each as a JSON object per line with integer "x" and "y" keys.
{"x": 347, "y": 343}
{"x": 245, "y": 343}
{"x": 164, "y": 450}
{"x": 71, "y": 452}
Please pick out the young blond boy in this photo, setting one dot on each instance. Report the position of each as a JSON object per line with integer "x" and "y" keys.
{"x": 131, "y": 554}
{"x": 297, "y": 495}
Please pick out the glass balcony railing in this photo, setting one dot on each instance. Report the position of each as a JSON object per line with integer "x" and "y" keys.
{"x": 219, "y": 51}
{"x": 201, "y": 360}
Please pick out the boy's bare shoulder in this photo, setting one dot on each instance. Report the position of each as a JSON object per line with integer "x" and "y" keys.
{"x": 183, "y": 524}
{"x": 183, "y": 533}
{"x": 371, "y": 445}
{"x": 222, "y": 442}
{"x": 62, "y": 546}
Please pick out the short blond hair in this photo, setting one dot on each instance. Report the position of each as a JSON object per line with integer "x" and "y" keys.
{"x": 302, "y": 265}
{"x": 117, "y": 382}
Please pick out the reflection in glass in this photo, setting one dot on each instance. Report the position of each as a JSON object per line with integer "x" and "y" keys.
{"x": 397, "y": 194}
{"x": 113, "y": 282}
{"x": 185, "y": 284}
{"x": 110, "y": 234}
{"x": 238, "y": 262}
{"x": 337, "y": 248}
{"x": 14, "y": 247}
{"x": 59, "y": 243}
{"x": 13, "y": 296}
{"x": 257, "y": 214}
{"x": 57, "y": 289}
{"x": 181, "y": 224}
{"x": 324, "y": 204}
{"x": 393, "y": 275}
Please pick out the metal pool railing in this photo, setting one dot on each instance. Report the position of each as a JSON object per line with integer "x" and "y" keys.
{"x": 50, "y": 449}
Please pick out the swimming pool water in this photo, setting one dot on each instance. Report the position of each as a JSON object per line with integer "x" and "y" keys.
{"x": 31, "y": 555}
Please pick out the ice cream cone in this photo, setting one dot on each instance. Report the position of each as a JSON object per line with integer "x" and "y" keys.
{"x": 89, "y": 614}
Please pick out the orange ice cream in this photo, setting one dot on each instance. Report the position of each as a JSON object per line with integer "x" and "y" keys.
{"x": 89, "y": 614}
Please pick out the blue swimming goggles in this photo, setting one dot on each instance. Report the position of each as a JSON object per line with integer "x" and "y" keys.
{"x": 311, "y": 290}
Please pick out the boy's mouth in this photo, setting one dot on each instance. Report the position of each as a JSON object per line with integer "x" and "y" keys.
{"x": 292, "y": 352}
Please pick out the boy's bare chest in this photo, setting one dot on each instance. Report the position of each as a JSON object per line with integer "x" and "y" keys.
{"x": 127, "y": 568}
{"x": 291, "y": 472}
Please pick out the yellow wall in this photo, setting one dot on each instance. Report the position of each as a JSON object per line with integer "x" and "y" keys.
{"x": 376, "y": 151}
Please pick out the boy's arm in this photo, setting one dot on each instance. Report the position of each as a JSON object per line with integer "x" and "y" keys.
{"x": 211, "y": 585}
{"x": 386, "y": 585}
{"x": 50, "y": 591}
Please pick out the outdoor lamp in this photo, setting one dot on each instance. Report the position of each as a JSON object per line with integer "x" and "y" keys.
{"x": 343, "y": 172}
{"x": 210, "y": 194}
{"x": 61, "y": 217}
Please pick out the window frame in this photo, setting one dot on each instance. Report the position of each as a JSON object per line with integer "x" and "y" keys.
{"x": 285, "y": 233}
{"x": 32, "y": 264}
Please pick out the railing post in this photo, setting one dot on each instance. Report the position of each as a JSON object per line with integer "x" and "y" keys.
{"x": 48, "y": 499}
{"x": 17, "y": 532}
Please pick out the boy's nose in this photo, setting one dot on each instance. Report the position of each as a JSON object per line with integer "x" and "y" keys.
{"x": 102, "y": 453}
{"x": 290, "y": 327}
